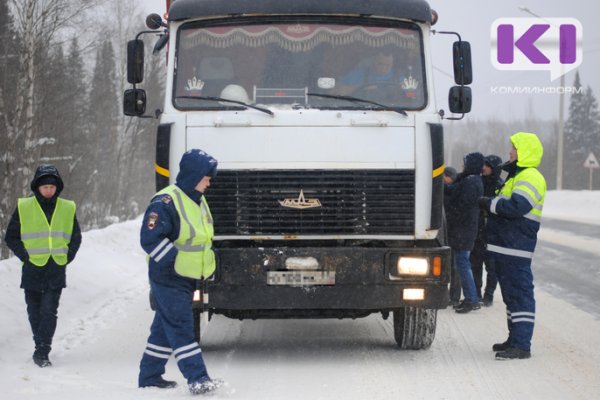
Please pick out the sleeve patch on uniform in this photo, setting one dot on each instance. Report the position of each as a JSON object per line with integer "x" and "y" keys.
{"x": 152, "y": 218}
{"x": 167, "y": 199}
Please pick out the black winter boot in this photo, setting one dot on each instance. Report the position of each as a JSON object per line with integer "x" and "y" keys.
{"x": 41, "y": 361}
{"x": 512, "y": 353}
{"x": 488, "y": 301}
{"x": 40, "y": 356}
{"x": 501, "y": 346}
{"x": 161, "y": 384}
{"x": 466, "y": 307}
{"x": 207, "y": 386}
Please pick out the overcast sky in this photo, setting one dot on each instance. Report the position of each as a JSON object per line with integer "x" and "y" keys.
{"x": 473, "y": 20}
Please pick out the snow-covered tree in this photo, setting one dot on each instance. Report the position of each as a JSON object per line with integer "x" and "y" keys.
{"x": 103, "y": 114}
{"x": 36, "y": 26}
{"x": 9, "y": 52}
{"x": 581, "y": 135}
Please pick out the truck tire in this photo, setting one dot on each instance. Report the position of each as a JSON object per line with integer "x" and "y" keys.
{"x": 414, "y": 327}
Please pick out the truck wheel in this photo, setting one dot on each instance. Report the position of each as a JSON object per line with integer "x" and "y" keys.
{"x": 414, "y": 327}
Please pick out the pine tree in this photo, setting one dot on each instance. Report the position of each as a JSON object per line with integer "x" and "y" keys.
{"x": 582, "y": 131}
{"x": 9, "y": 48}
{"x": 8, "y": 62}
{"x": 575, "y": 144}
{"x": 592, "y": 132}
{"x": 49, "y": 104}
{"x": 103, "y": 116}
{"x": 76, "y": 133}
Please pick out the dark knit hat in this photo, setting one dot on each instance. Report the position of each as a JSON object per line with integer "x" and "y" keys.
{"x": 492, "y": 160}
{"x": 47, "y": 174}
{"x": 47, "y": 180}
{"x": 451, "y": 173}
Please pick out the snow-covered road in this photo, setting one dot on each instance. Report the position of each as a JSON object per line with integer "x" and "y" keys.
{"x": 104, "y": 318}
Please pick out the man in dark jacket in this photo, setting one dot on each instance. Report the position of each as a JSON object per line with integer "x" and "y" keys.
{"x": 462, "y": 216}
{"x": 514, "y": 220}
{"x": 177, "y": 233}
{"x": 491, "y": 183}
{"x": 44, "y": 234}
{"x": 450, "y": 175}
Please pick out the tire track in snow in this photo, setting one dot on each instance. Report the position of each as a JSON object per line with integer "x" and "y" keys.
{"x": 469, "y": 348}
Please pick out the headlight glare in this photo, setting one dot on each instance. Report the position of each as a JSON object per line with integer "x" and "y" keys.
{"x": 412, "y": 266}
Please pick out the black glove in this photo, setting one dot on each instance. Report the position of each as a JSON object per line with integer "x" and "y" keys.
{"x": 484, "y": 203}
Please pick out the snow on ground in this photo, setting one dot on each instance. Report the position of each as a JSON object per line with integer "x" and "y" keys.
{"x": 104, "y": 318}
{"x": 573, "y": 205}
{"x": 581, "y": 206}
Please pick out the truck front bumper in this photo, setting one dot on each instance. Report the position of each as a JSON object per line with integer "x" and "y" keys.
{"x": 362, "y": 279}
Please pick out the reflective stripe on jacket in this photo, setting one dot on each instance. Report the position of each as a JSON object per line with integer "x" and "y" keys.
{"x": 42, "y": 239}
{"x": 195, "y": 257}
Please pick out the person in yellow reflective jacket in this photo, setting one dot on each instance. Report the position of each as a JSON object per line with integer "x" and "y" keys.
{"x": 514, "y": 217}
{"x": 177, "y": 233}
{"x": 44, "y": 234}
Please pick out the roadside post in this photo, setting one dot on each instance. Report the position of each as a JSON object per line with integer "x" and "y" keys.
{"x": 591, "y": 163}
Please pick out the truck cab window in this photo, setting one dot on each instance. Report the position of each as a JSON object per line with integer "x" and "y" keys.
{"x": 278, "y": 64}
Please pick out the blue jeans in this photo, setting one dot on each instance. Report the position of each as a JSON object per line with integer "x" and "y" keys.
{"x": 463, "y": 264}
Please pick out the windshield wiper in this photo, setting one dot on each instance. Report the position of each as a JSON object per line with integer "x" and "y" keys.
{"x": 212, "y": 98}
{"x": 357, "y": 100}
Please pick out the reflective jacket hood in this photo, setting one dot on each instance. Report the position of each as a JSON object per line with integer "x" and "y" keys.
{"x": 529, "y": 149}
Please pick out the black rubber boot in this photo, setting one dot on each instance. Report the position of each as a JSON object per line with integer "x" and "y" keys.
{"x": 161, "y": 384}
{"x": 512, "y": 353}
{"x": 501, "y": 346}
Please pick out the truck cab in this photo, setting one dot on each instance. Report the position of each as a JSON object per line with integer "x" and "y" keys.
{"x": 328, "y": 199}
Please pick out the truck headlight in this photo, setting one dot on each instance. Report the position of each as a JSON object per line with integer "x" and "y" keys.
{"x": 412, "y": 266}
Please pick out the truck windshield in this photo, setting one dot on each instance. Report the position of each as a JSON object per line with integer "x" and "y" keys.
{"x": 287, "y": 65}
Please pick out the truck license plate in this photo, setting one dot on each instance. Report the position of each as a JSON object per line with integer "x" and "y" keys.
{"x": 301, "y": 278}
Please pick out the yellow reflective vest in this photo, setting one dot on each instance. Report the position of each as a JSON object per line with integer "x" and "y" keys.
{"x": 514, "y": 221}
{"x": 43, "y": 240}
{"x": 195, "y": 257}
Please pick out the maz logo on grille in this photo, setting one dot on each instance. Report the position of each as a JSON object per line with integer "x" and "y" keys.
{"x": 300, "y": 202}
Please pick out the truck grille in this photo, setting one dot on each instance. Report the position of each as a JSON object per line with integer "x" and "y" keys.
{"x": 366, "y": 202}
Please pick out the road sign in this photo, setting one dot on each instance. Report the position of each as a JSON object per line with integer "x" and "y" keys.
{"x": 591, "y": 162}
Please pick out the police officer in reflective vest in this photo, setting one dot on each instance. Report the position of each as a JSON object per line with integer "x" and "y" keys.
{"x": 513, "y": 222}
{"x": 44, "y": 234}
{"x": 177, "y": 233}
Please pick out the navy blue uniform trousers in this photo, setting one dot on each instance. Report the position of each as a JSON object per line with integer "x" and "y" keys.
{"x": 516, "y": 284}
{"x": 172, "y": 333}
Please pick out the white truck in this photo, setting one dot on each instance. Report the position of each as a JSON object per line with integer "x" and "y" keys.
{"x": 328, "y": 199}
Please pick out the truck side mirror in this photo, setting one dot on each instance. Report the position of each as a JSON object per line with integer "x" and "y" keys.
{"x": 135, "y": 61}
{"x": 459, "y": 99}
{"x": 461, "y": 55}
{"x": 134, "y": 102}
